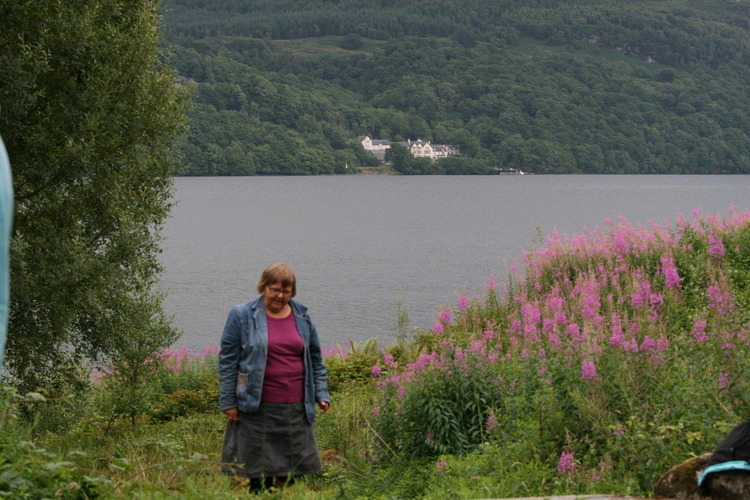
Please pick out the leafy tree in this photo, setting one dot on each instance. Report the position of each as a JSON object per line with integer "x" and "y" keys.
{"x": 400, "y": 158}
{"x": 352, "y": 41}
{"x": 89, "y": 112}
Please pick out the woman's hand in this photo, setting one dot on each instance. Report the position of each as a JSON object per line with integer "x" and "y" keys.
{"x": 233, "y": 415}
{"x": 324, "y": 406}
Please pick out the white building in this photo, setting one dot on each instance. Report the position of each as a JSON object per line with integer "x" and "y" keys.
{"x": 418, "y": 148}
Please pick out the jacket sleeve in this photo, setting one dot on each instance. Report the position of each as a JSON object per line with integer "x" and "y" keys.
{"x": 229, "y": 358}
{"x": 320, "y": 374}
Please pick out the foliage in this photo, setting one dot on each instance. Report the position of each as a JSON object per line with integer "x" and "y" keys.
{"x": 565, "y": 87}
{"x": 610, "y": 336}
{"x": 169, "y": 385}
{"x": 27, "y": 471}
{"x": 352, "y": 366}
{"x": 445, "y": 413}
{"x": 89, "y": 113}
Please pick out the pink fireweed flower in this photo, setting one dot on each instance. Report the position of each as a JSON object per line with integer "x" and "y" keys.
{"x": 636, "y": 300}
{"x": 515, "y": 327}
{"x": 642, "y": 296}
{"x": 630, "y": 345}
{"x": 389, "y": 360}
{"x": 491, "y": 422}
{"x": 376, "y": 411}
{"x": 657, "y": 301}
{"x": 724, "y": 383}
{"x": 548, "y": 326}
{"x": 441, "y": 467}
{"x": 566, "y": 464}
{"x": 463, "y": 303}
{"x": 662, "y": 344}
{"x": 554, "y": 340}
{"x": 699, "y": 331}
{"x": 588, "y": 370}
{"x": 617, "y": 337}
{"x": 438, "y": 328}
{"x": 375, "y": 372}
{"x": 671, "y": 276}
{"x": 445, "y": 316}
{"x": 531, "y": 316}
{"x": 718, "y": 300}
{"x": 717, "y": 246}
{"x": 492, "y": 283}
{"x": 648, "y": 344}
{"x": 574, "y": 332}
{"x": 555, "y": 303}
{"x": 634, "y": 328}
{"x": 561, "y": 318}
{"x": 478, "y": 347}
{"x": 591, "y": 303}
{"x": 603, "y": 468}
{"x": 334, "y": 351}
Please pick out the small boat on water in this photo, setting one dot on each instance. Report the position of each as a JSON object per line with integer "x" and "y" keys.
{"x": 509, "y": 171}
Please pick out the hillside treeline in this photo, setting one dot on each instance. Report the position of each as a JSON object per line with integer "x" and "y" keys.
{"x": 286, "y": 87}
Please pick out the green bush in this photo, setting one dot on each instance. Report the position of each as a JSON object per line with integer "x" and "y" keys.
{"x": 445, "y": 412}
{"x": 27, "y": 471}
{"x": 352, "y": 367}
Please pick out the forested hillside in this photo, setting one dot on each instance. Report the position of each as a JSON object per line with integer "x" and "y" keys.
{"x": 576, "y": 86}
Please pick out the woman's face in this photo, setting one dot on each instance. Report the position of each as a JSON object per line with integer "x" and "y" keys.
{"x": 276, "y": 297}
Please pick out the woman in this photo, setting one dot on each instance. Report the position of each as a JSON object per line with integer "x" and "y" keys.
{"x": 271, "y": 374}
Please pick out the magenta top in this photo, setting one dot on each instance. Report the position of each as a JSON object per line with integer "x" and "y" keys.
{"x": 285, "y": 370}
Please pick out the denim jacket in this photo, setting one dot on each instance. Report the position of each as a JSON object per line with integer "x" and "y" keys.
{"x": 244, "y": 350}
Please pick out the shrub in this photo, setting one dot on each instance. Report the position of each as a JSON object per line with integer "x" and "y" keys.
{"x": 27, "y": 471}
{"x": 445, "y": 411}
{"x": 351, "y": 367}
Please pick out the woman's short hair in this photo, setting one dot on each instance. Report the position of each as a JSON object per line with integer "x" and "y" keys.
{"x": 278, "y": 273}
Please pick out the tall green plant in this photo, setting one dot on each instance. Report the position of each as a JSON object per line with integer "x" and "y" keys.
{"x": 136, "y": 360}
{"x": 27, "y": 471}
{"x": 445, "y": 411}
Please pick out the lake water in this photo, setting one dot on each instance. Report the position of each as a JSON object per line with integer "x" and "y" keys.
{"x": 360, "y": 245}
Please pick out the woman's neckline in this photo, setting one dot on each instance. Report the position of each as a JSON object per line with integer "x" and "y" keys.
{"x": 283, "y": 314}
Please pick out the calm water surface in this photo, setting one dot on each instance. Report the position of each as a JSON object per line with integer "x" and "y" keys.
{"x": 361, "y": 244}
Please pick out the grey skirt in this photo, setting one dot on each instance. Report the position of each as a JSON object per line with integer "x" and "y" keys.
{"x": 274, "y": 441}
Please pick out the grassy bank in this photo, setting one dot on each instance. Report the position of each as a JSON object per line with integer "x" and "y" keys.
{"x": 611, "y": 356}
